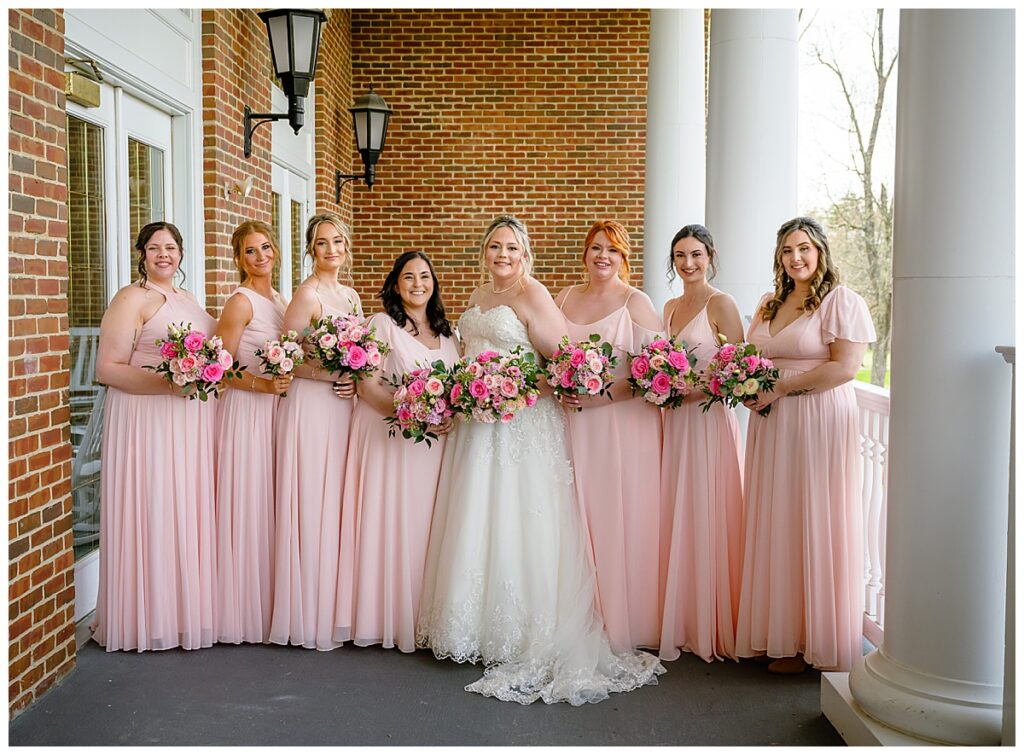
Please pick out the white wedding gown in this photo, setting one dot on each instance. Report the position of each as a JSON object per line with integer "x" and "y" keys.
{"x": 509, "y": 580}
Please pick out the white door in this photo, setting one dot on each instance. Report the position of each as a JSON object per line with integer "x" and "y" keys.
{"x": 119, "y": 179}
{"x": 291, "y": 209}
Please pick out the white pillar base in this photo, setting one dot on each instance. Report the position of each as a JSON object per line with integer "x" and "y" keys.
{"x": 855, "y": 726}
{"x": 948, "y": 711}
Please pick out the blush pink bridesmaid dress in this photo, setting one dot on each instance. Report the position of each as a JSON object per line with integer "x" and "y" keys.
{"x": 802, "y": 588}
{"x": 390, "y": 485}
{"x": 616, "y": 456}
{"x": 311, "y": 447}
{"x": 157, "y": 568}
{"x": 245, "y": 489}
{"x": 703, "y": 490}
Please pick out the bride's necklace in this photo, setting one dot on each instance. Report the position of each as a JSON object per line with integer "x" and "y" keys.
{"x": 508, "y": 288}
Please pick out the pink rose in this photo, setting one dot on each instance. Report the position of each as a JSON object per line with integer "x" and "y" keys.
{"x": 596, "y": 365}
{"x": 456, "y": 392}
{"x": 727, "y": 352}
{"x": 751, "y": 362}
{"x": 213, "y": 372}
{"x": 168, "y": 350}
{"x": 373, "y": 358}
{"x": 404, "y": 413}
{"x": 434, "y": 387}
{"x": 357, "y": 357}
{"x": 715, "y": 386}
{"x": 275, "y": 354}
{"x": 194, "y": 341}
{"x": 287, "y": 365}
{"x": 508, "y": 388}
{"x": 507, "y": 417}
{"x": 768, "y": 364}
{"x": 514, "y": 372}
{"x": 594, "y": 385}
{"x": 738, "y": 390}
{"x": 416, "y": 387}
{"x": 400, "y": 394}
{"x": 180, "y": 380}
{"x": 474, "y": 369}
{"x": 224, "y": 359}
{"x": 187, "y": 363}
{"x": 328, "y": 340}
{"x": 485, "y": 356}
{"x": 531, "y": 399}
{"x": 660, "y": 344}
{"x": 639, "y": 366}
{"x": 566, "y": 380}
{"x": 577, "y": 358}
{"x": 678, "y": 360}
{"x": 478, "y": 389}
{"x": 661, "y": 384}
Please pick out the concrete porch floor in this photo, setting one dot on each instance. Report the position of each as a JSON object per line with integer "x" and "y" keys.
{"x": 271, "y": 695}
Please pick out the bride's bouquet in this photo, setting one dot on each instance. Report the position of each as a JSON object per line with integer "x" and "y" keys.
{"x": 736, "y": 372}
{"x": 343, "y": 344}
{"x": 584, "y": 368}
{"x": 421, "y": 400}
{"x": 662, "y": 372}
{"x": 494, "y": 388}
{"x": 193, "y": 362}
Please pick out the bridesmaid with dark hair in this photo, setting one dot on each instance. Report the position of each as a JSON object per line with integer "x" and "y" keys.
{"x": 157, "y": 576}
{"x": 701, "y": 465}
{"x": 390, "y": 482}
{"x": 311, "y": 446}
{"x": 246, "y": 420}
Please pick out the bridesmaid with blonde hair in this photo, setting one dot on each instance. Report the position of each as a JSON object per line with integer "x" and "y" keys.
{"x": 312, "y": 443}
{"x": 157, "y": 578}
{"x": 802, "y": 597}
{"x": 615, "y": 442}
{"x": 701, "y": 467}
{"x": 253, "y": 315}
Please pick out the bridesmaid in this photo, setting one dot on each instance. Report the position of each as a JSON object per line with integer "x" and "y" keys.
{"x": 615, "y": 443}
{"x": 157, "y": 575}
{"x": 701, "y": 482}
{"x": 390, "y": 483}
{"x": 312, "y": 443}
{"x": 253, "y": 315}
{"x": 801, "y": 599}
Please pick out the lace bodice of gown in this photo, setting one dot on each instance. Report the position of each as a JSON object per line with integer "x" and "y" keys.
{"x": 497, "y": 329}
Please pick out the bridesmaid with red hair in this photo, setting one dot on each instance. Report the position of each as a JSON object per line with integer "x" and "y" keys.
{"x": 246, "y": 420}
{"x": 701, "y": 463}
{"x": 615, "y": 443}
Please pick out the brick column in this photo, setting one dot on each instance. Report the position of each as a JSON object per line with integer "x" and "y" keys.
{"x": 41, "y": 647}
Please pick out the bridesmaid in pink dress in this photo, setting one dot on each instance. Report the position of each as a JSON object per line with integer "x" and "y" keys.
{"x": 616, "y": 444}
{"x": 157, "y": 564}
{"x": 390, "y": 482}
{"x": 802, "y": 597}
{"x": 700, "y": 471}
{"x": 311, "y": 446}
{"x": 253, "y": 315}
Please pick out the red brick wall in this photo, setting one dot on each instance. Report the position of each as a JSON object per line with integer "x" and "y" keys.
{"x": 334, "y": 145}
{"x": 540, "y": 113}
{"x": 41, "y": 565}
{"x": 236, "y": 73}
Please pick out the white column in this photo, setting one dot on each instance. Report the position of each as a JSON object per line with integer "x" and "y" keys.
{"x": 939, "y": 672}
{"x": 674, "y": 192}
{"x": 752, "y": 144}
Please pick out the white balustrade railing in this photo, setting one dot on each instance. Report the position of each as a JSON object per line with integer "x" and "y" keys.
{"x": 873, "y": 406}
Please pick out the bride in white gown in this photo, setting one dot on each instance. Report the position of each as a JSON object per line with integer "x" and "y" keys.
{"x": 509, "y": 580}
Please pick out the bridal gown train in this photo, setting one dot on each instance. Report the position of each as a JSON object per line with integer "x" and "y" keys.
{"x": 508, "y": 580}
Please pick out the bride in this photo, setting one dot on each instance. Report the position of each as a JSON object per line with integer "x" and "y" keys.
{"x": 508, "y": 578}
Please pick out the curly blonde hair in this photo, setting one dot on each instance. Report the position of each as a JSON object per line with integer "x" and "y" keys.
{"x": 826, "y": 277}
{"x": 334, "y": 219}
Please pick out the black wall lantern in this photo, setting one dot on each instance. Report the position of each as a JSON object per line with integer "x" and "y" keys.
{"x": 294, "y": 43}
{"x": 370, "y": 116}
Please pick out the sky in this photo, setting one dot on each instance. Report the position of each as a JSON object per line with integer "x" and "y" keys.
{"x": 824, "y": 139}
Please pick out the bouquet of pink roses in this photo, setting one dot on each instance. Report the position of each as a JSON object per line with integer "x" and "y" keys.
{"x": 421, "y": 400}
{"x": 583, "y": 368}
{"x": 662, "y": 371}
{"x": 281, "y": 357}
{"x": 344, "y": 344}
{"x": 737, "y": 371}
{"x": 193, "y": 362}
{"x": 491, "y": 387}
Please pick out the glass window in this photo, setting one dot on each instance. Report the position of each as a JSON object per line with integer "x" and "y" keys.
{"x": 87, "y": 298}
{"x": 298, "y": 247}
{"x": 145, "y": 186}
{"x": 275, "y": 224}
